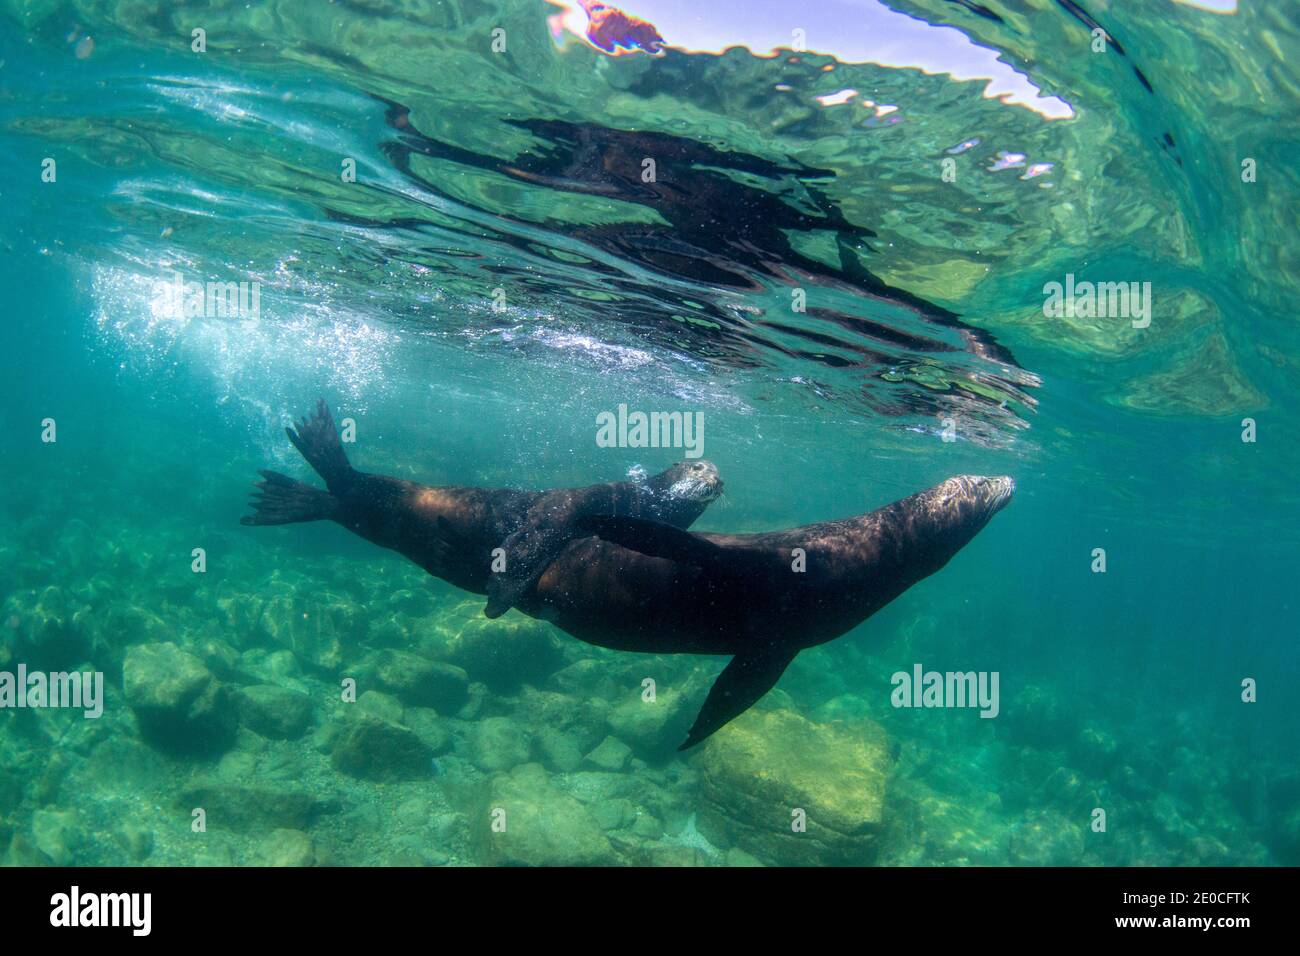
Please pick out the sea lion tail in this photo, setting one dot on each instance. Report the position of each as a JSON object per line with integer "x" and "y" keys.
{"x": 318, "y": 441}
{"x": 283, "y": 500}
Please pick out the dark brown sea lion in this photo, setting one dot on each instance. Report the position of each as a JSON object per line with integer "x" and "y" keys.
{"x": 452, "y": 531}
{"x": 649, "y": 587}
{"x": 629, "y": 583}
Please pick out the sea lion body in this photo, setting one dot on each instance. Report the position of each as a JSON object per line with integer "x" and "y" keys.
{"x": 451, "y": 531}
{"x": 653, "y": 589}
{"x": 613, "y": 566}
{"x": 610, "y": 595}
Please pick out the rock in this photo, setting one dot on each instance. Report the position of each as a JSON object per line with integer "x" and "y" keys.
{"x": 55, "y": 834}
{"x": 412, "y": 603}
{"x": 321, "y": 629}
{"x": 1096, "y": 749}
{"x": 287, "y": 848}
{"x": 275, "y": 712}
{"x": 654, "y": 729}
{"x": 588, "y": 679}
{"x": 1047, "y": 838}
{"x": 46, "y": 629}
{"x": 429, "y": 727}
{"x": 282, "y": 667}
{"x": 611, "y": 755}
{"x": 543, "y": 826}
{"x": 220, "y": 658}
{"x": 764, "y": 765}
{"x": 239, "y": 808}
{"x": 179, "y": 704}
{"x": 591, "y": 786}
{"x": 239, "y": 614}
{"x": 136, "y": 840}
{"x": 373, "y": 748}
{"x": 677, "y": 856}
{"x": 383, "y": 706}
{"x": 544, "y": 708}
{"x": 647, "y": 826}
{"x": 420, "y": 682}
{"x": 237, "y": 765}
{"x": 506, "y": 653}
{"x": 118, "y": 763}
{"x": 499, "y": 744}
{"x": 558, "y": 750}
{"x": 614, "y": 814}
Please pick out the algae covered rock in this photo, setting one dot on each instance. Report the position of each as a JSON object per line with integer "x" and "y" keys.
{"x": 763, "y": 768}
{"x": 610, "y": 754}
{"x": 420, "y": 682}
{"x": 275, "y": 712}
{"x": 48, "y": 630}
{"x": 1047, "y": 838}
{"x": 287, "y": 848}
{"x": 373, "y": 748}
{"x": 530, "y": 822}
{"x": 429, "y": 727}
{"x": 179, "y": 704}
{"x": 231, "y": 806}
{"x": 55, "y": 834}
{"x": 321, "y": 631}
{"x": 499, "y": 744}
{"x": 507, "y": 653}
{"x": 654, "y": 728}
{"x": 585, "y": 725}
{"x": 558, "y": 750}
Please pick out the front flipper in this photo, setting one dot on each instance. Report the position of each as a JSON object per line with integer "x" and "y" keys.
{"x": 654, "y": 538}
{"x": 529, "y": 552}
{"x": 749, "y": 676}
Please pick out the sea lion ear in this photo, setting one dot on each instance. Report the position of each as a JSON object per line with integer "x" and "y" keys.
{"x": 653, "y": 538}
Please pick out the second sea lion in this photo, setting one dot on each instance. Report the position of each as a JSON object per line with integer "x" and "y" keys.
{"x": 451, "y": 531}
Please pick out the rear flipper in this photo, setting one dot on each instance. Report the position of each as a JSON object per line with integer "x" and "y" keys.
{"x": 748, "y": 677}
{"x": 318, "y": 441}
{"x": 282, "y": 500}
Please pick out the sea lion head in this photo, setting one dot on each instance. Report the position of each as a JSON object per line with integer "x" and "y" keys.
{"x": 954, "y": 511}
{"x": 928, "y": 528}
{"x": 968, "y": 501}
{"x": 688, "y": 481}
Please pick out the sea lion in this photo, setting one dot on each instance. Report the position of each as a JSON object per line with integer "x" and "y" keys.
{"x": 451, "y": 531}
{"x": 645, "y": 586}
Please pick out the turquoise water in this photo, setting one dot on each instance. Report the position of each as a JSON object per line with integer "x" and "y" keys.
{"x": 523, "y": 171}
